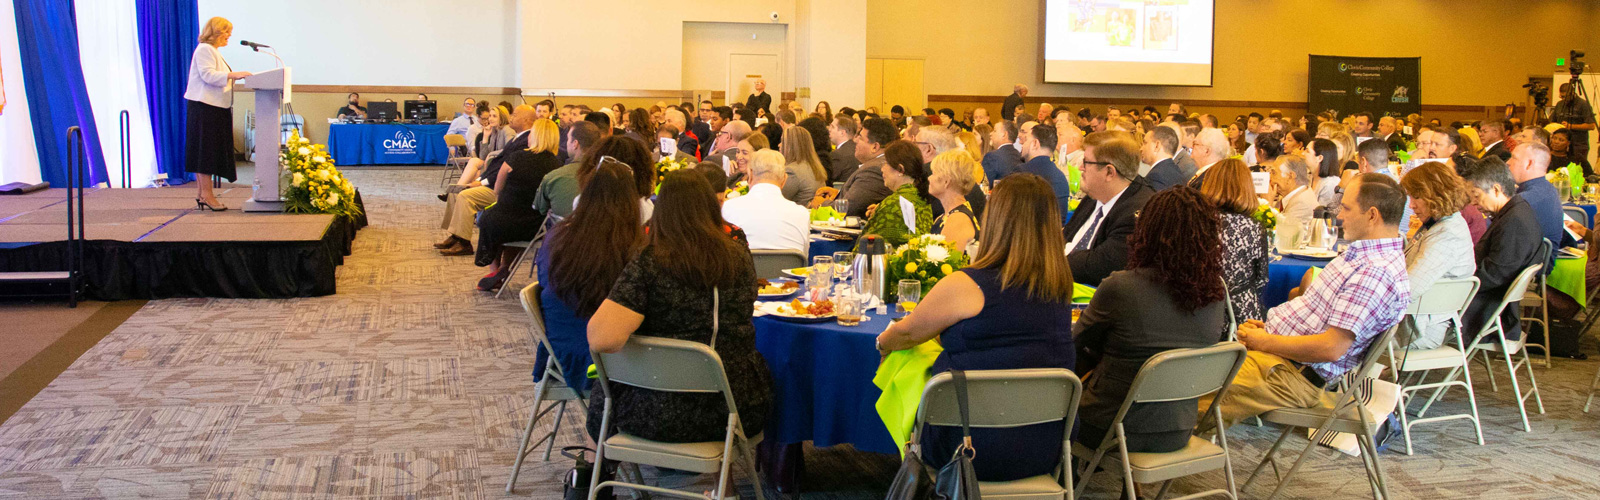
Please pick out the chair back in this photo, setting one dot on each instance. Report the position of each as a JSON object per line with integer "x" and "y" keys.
{"x": 824, "y": 196}
{"x": 455, "y": 140}
{"x": 536, "y": 326}
{"x": 1519, "y": 286}
{"x": 1181, "y": 374}
{"x": 661, "y": 364}
{"x": 1578, "y": 214}
{"x": 771, "y": 263}
{"x": 1446, "y": 296}
{"x": 1374, "y": 351}
{"x": 1003, "y": 398}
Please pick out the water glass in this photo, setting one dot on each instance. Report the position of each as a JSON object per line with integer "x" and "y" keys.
{"x": 910, "y": 295}
{"x": 841, "y": 205}
{"x": 841, "y": 265}
{"x": 849, "y": 308}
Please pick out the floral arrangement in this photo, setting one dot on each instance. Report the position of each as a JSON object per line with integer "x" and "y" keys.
{"x": 927, "y": 258}
{"x": 314, "y": 186}
{"x": 1267, "y": 216}
{"x": 740, "y": 188}
{"x": 667, "y": 164}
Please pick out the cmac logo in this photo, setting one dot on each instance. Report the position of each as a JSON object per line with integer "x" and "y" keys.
{"x": 403, "y": 140}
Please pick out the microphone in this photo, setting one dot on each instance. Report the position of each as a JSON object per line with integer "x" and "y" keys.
{"x": 254, "y": 46}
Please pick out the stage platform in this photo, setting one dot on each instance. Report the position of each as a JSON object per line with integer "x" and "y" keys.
{"x": 154, "y": 244}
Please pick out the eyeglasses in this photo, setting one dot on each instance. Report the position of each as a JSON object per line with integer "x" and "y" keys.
{"x": 608, "y": 160}
{"x": 1100, "y": 163}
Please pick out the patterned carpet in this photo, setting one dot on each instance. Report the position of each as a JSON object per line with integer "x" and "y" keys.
{"x": 410, "y": 384}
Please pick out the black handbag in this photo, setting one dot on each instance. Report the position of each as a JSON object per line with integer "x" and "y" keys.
{"x": 575, "y": 484}
{"x": 957, "y": 480}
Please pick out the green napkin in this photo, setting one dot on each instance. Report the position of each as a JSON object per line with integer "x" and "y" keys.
{"x": 1081, "y": 293}
{"x": 825, "y": 213}
{"x": 902, "y": 377}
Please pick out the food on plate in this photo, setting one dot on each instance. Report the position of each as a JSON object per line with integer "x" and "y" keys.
{"x": 782, "y": 287}
{"x": 815, "y": 309}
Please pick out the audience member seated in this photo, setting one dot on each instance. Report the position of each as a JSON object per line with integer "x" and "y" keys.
{"x": 932, "y": 142}
{"x": 1322, "y": 155}
{"x": 805, "y": 172}
{"x": 512, "y": 218}
{"x": 1493, "y": 133}
{"x": 487, "y": 142}
{"x": 631, "y": 154}
{"x": 1005, "y": 158}
{"x": 1510, "y": 245}
{"x": 578, "y": 266}
{"x": 1246, "y": 250}
{"x": 949, "y": 178}
{"x": 354, "y": 109}
{"x": 773, "y": 132}
{"x": 1308, "y": 343}
{"x": 865, "y": 186}
{"x": 1097, "y": 235}
{"x": 1038, "y": 142}
{"x": 727, "y": 143}
{"x": 1010, "y": 309}
{"x": 1159, "y": 145}
{"x": 560, "y": 188}
{"x": 903, "y": 176}
{"x": 716, "y": 178}
{"x": 1438, "y": 250}
{"x": 739, "y": 171}
{"x": 842, "y": 162}
{"x": 693, "y": 267}
{"x": 1170, "y": 297}
{"x": 667, "y": 131}
{"x": 463, "y": 121}
{"x": 769, "y": 219}
{"x": 638, "y": 126}
{"x": 1210, "y": 146}
{"x": 1561, "y": 152}
{"x": 1529, "y": 163}
{"x": 820, "y": 145}
{"x": 468, "y": 196}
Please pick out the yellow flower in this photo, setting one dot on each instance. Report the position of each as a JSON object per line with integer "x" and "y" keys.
{"x": 911, "y": 267}
{"x": 946, "y": 269}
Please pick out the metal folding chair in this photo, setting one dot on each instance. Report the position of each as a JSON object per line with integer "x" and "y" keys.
{"x": 1505, "y": 347}
{"x": 1337, "y": 419}
{"x": 1535, "y": 299}
{"x": 771, "y": 263}
{"x": 552, "y": 388}
{"x": 453, "y": 162}
{"x": 529, "y": 248}
{"x": 1578, "y": 214}
{"x": 1445, "y": 297}
{"x": 1006, "y": 399}
{"x": 671, "y": 365}
{"x": 1176, "y": 375}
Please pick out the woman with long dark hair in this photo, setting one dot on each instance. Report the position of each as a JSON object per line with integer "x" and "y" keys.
{"x": 641, "y": 127}
{"x": 819, "y": 142}
{"x": 1010, "y": 309}
{"x": 1169, "y": 297}
{"x": 691, "y": 269}
{"x": 905, "y": 176}
{"x": 580, "y": 259}
{"x": 1322, "y": 155}
{"x": 630, "y": 153}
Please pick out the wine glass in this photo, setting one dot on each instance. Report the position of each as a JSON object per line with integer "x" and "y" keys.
{"x": 842, "y": 206}
{"x": 910, "y": 295}
{"x": 841, "y": 265}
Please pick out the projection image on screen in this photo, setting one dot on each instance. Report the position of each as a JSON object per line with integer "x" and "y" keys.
{"x": 1135, "y": 42}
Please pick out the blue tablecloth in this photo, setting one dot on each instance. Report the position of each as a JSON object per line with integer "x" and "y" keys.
{"x": 390, "y": 144}
{"x": 822, "y": 376}
{"x": 1283, "y": 275}
{"x": 824, "y": 246}
{"x": 1589, "y": 209}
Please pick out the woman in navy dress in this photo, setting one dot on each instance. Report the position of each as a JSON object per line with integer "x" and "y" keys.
{"x": 1011, "y": 309}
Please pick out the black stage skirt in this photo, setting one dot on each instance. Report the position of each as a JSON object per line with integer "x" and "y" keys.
{"x": 210, "y": 141}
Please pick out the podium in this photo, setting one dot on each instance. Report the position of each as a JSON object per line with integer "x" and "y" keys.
{"x": 272, "y": 90}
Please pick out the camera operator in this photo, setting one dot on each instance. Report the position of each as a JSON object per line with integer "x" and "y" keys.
{"x": 1574, "y": 114}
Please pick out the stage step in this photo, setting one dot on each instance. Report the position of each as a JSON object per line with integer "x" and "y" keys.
{"x": 32, "y": 276}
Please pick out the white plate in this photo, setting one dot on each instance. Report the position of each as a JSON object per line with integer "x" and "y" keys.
{"x": 1317, "y": 254}
{"x": 773, "y": 296}
{"x": 773, "y": 309}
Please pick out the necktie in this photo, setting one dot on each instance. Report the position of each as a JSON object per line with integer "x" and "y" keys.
{"x": 1094, "y": 225}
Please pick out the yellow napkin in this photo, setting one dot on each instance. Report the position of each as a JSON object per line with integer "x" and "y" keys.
{"x": 902, "y": 376}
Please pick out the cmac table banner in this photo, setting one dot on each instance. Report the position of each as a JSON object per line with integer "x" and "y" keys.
{"x": 1380, "y": 85}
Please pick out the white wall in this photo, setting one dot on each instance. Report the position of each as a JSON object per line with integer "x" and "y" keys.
{"x": 461, "y": 43}
{"x": 707, "y": 47}
{"x": 833, "y": 52}
{"x": 19, "y": 158}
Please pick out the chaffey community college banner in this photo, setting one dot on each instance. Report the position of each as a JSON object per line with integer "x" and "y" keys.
{"x": 1380, "y": 85}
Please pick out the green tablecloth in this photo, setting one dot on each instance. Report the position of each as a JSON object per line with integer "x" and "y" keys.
{"x": 1568, "y": 277}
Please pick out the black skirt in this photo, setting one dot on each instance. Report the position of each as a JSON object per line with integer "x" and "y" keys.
{"x": 209, "y": 149}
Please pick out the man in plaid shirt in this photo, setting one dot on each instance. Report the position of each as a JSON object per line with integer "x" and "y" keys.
{"x": 1322, "y": 334}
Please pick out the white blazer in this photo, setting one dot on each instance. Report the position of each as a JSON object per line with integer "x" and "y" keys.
{"x": 208, "y": 78}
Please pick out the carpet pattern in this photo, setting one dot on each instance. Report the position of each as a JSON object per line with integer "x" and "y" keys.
{"x": 410, "y": 384}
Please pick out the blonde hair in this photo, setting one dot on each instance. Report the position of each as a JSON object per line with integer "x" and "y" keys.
{"x": 502, "y": 115}
{"x": 214, "y": 28}
{"x": 757, "y": 142}
{"x": 798, "y": 148}
{"x": 956, "y": 167}
{"x": 1347, "y": 146}
{"x": 1328, "y": 128}
{"x": 545, "y": 138}
{"x": 1470, "y": 144}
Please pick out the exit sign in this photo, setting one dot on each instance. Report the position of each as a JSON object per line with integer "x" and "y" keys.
{"x": 1561, "y": 61}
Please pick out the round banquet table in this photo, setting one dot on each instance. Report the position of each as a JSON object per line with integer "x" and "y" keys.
{"x": 825, "y": 246}
{"x": 1283, "y": 275}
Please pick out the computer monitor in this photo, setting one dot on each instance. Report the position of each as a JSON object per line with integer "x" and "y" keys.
{"x": 422, "y": 110}
{"x": 381, "y": 111}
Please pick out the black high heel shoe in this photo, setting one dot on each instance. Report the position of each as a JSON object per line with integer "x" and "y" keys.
{"x": 203, "y": 206}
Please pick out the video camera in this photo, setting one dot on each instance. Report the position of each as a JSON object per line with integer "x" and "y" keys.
{"x": 1575, "y": 66}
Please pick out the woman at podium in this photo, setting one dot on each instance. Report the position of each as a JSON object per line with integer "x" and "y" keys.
{"x": 210, "y": 95}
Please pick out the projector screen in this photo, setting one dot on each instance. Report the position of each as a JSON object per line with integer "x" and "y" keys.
{"x": 1134, "y": 42}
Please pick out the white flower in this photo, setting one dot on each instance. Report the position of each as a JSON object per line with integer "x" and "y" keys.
{"x": 299, "y": 179}
{"x": 319, "y": 159}
{"x": 333, "y": 199}
{"x": 305, "y": 140}
{"x": 304, "y": 151}
{"x": 323, "y": 174}
{"x": 936, "y": 253}
{"x": 936, "y": 237}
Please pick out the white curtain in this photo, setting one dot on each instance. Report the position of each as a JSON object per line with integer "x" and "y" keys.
{"x": 19, "y": 158}
{"x": 108, "y": 43}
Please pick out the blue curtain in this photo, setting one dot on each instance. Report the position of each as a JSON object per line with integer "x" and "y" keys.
{"x": 47, "y": 31}
{"x": 168, "y": 33}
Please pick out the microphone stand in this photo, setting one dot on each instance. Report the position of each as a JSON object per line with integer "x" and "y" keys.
{"x": 273, "y": 53}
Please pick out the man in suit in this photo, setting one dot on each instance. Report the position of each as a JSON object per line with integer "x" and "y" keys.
{"x": 688, "y": 142}
{"x": 842, "y": 161}
{"x": 1005, "y": 158}
{"x": 1008, "y": 109}
{"x": 719, "y": 117}
{"x": 1097, "y": 234}
{"x": 1493, "y": 134}
{"x": 1361, "y": 126}
{"x": 1210, "y": 146}
{"x": 1510, "y": 245}
{"x": 1184, "y": 156}
{"x": 521, "y": 122}
{"x": 1389, "y": 132}
{"x": 865, "y": 187}
{"x": 760, "y": 101}
{"x": 1038, "y": 141}
{"x": 1159, "y": 144}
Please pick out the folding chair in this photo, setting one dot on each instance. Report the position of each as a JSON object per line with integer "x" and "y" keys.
{"x": 1336, "y": 419}
{"x": 529, "y": 248}
{"x": 671, "y": 365}
{"x": 1506, "y": 348}
{"x": 453, "y": 162}
{"x": 1445, "y": 297}
{"x": 1175, "y": 375}
{"x": 1007, "y": 399}
{"x": 552, "y": 388}
{"x": 1577, "y": 214}
{"x": 771, "y": 263}
{"x": 1535, "y": 299}
{"x": 1593, "y": 384}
